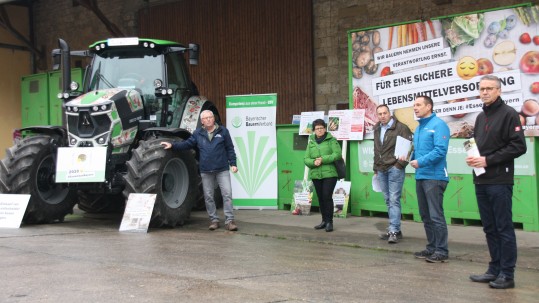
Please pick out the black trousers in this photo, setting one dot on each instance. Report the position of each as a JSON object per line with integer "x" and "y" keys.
{"x": 324, "y": 191}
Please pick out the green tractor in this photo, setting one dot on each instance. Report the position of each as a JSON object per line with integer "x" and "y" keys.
{"x": 135, "y": 94}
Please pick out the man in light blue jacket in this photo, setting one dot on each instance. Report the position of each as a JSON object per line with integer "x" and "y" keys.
{"x": 431, "y": 140}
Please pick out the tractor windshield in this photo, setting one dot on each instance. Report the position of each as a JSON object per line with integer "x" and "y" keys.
{"x": 132, "y": 71}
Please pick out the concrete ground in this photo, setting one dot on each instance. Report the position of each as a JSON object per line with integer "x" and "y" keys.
{"x": 274, "y": 257}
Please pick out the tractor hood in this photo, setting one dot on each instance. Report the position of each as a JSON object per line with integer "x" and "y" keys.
{"x": 106, "y": 96}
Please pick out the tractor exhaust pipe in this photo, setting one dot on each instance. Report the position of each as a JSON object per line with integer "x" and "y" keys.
{"x": 66, "y": 66}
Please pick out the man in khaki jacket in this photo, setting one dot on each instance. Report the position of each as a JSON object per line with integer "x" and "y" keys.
{"x": 388, "y": 169}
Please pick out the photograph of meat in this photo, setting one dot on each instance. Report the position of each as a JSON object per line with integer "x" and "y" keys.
{"x": 363, "y": 101}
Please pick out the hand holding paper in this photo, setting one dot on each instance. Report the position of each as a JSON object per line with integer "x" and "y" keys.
{"x": 474, "y": 158}
{"x": 403, "y": 149}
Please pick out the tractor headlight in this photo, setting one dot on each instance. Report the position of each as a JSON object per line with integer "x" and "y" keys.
{"x": 95, "y": 108}
{"x": 74, "y": 85}
{"x": 157, "y": 83}
{"x": 73, "y": 141}
{"x": 75, "y": 109}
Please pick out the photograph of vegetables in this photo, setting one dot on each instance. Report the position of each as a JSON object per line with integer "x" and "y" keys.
{"x": 503, "y": 42}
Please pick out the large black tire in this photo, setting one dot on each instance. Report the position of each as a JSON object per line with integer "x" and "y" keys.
{"x": 172, "y": 175}
{"x": 95, "y": 203}
{"x": 30, "y": 168}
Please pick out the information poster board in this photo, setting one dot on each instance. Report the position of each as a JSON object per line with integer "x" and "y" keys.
{"x": 445, "y": 59}
{"x": 12, "y": 209}
{"x": 138, "y": 213}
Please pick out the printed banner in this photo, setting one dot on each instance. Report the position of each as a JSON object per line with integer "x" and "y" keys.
{"x": 445, "y": 59}
{"x": 251, "y": 120}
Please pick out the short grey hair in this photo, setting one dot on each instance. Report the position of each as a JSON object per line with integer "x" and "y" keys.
{"x": 492, "y": 78}
{"x": 207, "y": 111}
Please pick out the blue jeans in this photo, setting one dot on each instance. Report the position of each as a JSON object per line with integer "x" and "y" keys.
{"x": 391, "y": 182}
{"x": 209, "y": 183}
{"x": 495, "y": 208}
{"x": 430, "y": 199}
{"x": 324, "y": 190}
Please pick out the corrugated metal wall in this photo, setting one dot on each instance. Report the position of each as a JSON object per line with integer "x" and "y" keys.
{"x": 247, "y": 46}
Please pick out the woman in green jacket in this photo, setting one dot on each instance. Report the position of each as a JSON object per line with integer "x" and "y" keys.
{"x": 322, "y": 150}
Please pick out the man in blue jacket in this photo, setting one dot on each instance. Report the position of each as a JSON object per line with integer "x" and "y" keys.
{"x": 217, "y": 156}
{"x": 431, "y": 141}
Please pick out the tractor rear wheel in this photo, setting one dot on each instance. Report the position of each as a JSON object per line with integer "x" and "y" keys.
{"x": 171, "y": 175}
{"x": 30, "y": 168}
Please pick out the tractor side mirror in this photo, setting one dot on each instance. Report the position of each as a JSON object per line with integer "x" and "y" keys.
{"x": 194, "y": 50}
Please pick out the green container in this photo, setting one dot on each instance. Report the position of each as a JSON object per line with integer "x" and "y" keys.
{"x": 55, "y": 87}
{"x": 39, "y": 93}
{"x": 290, "y": 152}
{"x": 35, "y": 100}
{"x": 460, "y": 204}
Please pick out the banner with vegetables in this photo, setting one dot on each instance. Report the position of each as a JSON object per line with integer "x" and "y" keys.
{"x": 445, "y": 59}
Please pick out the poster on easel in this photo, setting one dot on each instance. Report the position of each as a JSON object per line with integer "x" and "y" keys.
{"x": 346, "y": 124}
{"x": 306, "y": 122}
{"x": 341, "y": 197}
{"x": 303, "y": 197}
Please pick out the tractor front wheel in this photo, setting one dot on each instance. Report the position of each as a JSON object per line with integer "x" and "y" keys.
{"x": 171, "y": 175}
{"x": 30, "y": 168}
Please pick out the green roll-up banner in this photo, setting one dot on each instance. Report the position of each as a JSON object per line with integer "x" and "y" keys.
{"x": 251, "y": 120}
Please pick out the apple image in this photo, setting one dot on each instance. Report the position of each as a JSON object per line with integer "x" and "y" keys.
{"x": 530, "y": 108}
{"x": 534, "y": 88}
{"x": 525, "y": 38}
{"x": 529, "y": 64}
{"x": 458, "y": 116}
{"x": 504, "y": 53}
{"x": 484, "y": 66}
{"x": 536, "y": 40}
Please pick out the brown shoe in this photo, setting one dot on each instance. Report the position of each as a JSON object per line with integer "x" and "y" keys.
{"x": 231, "y": 226}
{"x": 214, "y": 225}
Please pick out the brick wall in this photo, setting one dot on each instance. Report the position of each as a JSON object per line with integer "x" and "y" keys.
{"x": 332, "y": 19}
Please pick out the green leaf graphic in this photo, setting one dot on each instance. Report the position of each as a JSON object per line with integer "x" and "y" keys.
{"x": 255, "y": 163}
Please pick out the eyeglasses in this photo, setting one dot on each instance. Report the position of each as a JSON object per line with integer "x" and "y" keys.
{"x": 319, "y": 128}
{"x": 488, "y": 89}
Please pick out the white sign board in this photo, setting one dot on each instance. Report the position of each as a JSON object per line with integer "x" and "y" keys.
{"x": 81, "y": 164}
{"x": 12, "y": 208}
{"x": 138, "y": 213}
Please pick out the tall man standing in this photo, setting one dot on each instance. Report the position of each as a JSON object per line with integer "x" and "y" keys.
{"x": 217, "y": 156}
{"x": 500, "y": 139}
{"x": 388, "y": 169}
{"x": 431, "y": 141}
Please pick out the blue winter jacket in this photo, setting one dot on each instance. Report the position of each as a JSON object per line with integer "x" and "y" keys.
{"x": 216, "y": 155}
{"x": 431, "y": 140}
